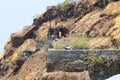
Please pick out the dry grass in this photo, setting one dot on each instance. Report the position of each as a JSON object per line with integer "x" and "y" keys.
{"x": 101, "y": 43}
{"x": 112, "y": 8}
{"x": 66, "y": 76}
{"x": 33, "y": 67}
{"x": 28, "y": 45}
{"x": 115, "y": 30}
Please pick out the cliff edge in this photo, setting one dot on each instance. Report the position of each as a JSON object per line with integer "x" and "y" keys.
{"x": 25, "y": 54}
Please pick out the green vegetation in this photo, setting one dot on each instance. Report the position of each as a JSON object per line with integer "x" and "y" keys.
{"x": 99, "y": 64}
{"x": 80, "y": 43}
{"x": 75, "y": 42}
{"x": 66, "y": 5}
{"x": 98, "y": 59}
{"x": 57, "y": 45}
{"x": 102, "y": 59}
{"x": 6, "y": 62}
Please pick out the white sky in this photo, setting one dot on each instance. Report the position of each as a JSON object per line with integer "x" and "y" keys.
{"x": 15, "y": 14}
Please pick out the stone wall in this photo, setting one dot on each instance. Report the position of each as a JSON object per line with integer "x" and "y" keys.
{"x": 75, "y": 60}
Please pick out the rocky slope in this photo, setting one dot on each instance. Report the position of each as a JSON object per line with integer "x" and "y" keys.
{"x": 98, "y": 21}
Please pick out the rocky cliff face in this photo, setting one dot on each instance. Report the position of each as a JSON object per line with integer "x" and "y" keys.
{"x": 24, "y": 56}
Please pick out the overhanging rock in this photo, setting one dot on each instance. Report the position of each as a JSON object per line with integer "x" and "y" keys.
{"x": 75, "y": 60}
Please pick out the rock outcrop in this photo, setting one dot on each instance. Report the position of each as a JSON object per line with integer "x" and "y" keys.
{"x": 98, "y": 20}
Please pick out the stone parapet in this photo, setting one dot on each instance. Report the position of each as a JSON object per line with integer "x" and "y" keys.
{"x": 75, "y": 60}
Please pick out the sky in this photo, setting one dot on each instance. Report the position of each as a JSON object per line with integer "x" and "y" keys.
{"x": 15, "y": 14}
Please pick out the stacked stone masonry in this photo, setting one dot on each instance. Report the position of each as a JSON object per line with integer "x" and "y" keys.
{"x": 71, "y": 60}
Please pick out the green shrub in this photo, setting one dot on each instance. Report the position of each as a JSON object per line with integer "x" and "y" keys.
{"x": 75, "y": 42}
{"x": 57, "y": 45}
{"x": 80, "y": 43}
{"x": 97, "y": 59}
{"x": 101, "y": 59}
{"x": 66, "y": 5}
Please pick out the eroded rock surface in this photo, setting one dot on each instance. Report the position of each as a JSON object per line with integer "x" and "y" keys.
{"x": 98, "y": 20}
